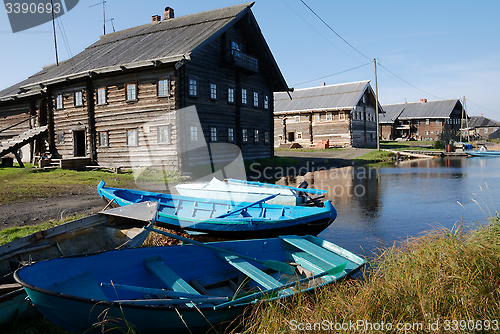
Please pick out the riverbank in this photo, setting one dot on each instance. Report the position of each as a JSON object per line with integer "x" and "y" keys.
{"x": 445, "y": 281}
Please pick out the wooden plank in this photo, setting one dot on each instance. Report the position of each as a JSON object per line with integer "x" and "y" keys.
{"x": 313, "y": 249}
{"x": 251, "y": 271}
{"x": 168, "y": 276}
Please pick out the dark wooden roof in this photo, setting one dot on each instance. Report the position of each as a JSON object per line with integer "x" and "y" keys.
{"x": 430, "y": 109}
{"x": 480, "y": 121}
{"x": 165, "y": 41}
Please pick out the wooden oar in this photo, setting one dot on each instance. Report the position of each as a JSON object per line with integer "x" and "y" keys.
{"x": 274, "y": 265}
{"x": 249, "y": 205}
{"x": 332, "y": 271}
{"x": 154, "y": 291}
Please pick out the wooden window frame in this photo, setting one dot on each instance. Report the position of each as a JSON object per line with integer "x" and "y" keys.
{"x": 75, "y": 100}
{"x": 231, "y": 94}
{"x": 59, "y": 102}
{"x": 213, "y": 91}
{"x": 230, "y": 135}
{"x": 266, "y": 101}
{"x": 193, "y": 134}
{"x": 244, "y": 96}
{"x": 255, "y": 99}
{"x": 266, "y": 137}
{"x": 136, "y": 130}
{"x": 213, "y": 134}
{"x": 159, "y": 140}
{"x": 244, "y": 133}
{"x": 167, "y": 94}
{"x": 101, "y": 103}
{"x": 256, "y": 136}
{"x": 106, "y": 144}
{"x": 192, "y": 92}
{"x": 129, "y": 98}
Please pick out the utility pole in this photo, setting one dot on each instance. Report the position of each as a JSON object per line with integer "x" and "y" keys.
{"x": 54, "y": 29}
{"x": 466, "y": 121}
{"x": 376, "y": 104}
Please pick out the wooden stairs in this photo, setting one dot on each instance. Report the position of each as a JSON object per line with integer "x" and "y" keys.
{"x": 13, "y": 144}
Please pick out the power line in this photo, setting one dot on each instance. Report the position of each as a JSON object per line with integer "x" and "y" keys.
{"x": 477, "y": 105}
{"x": 331, "y": 75}
{"x": 335, "y": 31}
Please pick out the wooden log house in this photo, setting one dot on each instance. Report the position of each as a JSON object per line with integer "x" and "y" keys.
{"x": 424, "y": 120}
{"x": 343, "y": 114}
{"x": 130, "y": 92}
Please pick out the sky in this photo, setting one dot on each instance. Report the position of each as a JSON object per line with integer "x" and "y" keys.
{"x": 425, "y": 49}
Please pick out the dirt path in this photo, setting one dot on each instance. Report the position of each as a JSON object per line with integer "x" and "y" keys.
{"x": 83, "y": 201}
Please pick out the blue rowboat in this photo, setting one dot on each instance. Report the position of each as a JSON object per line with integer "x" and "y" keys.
{"x": 179, "y": 289}
{"x": 480, "y": 153}
{"x": 225, "y": 219}
{"x": 249, "y": 191}
{"x": 110, "y": 229}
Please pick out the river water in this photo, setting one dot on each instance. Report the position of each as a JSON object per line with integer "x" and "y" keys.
{"x": 378, "y": 206}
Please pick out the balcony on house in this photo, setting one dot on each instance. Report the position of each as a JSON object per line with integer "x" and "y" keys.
{"x": 243, "y": 60}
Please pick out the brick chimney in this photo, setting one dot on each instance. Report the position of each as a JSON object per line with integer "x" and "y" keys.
{"x": 423, "y": 100}
{"x": 168, "y": 14}
{"x": 323, "y": 84}
{"x": 156, "y": 18}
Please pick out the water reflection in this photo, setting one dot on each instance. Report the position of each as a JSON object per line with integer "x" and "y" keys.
{"x": 378, "y": 206}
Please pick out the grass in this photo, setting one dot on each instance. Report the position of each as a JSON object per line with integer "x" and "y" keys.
{"x": 13, "y": 233}
{"x": 376, "y": 156}
{"x": 270, "y": 162}
{"x": 408, "y": 145}
{"x": 26, "y": 184}
{"x": 431, "y": 281}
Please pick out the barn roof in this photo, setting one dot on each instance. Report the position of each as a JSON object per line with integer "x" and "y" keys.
{"x": 151, "y": 44}
{"x": 333, "y": 97}
{"x": 430, "y": 109}
{"x": 480, "y": 121}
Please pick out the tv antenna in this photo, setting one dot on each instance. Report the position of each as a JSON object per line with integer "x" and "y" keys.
{"x": 104, "y": 16}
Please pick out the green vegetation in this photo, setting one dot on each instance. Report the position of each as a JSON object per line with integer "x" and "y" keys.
{"x": 25, "y": 184}
{"x": 270, "y": 162}
{"x": 14, "y": 233}
{"x": 308, "y": 149}
{"x": 376, "y": 156}
{"x": 409, "y": 145}
{"x": 33, "y": 325}
{"x": 444, "y": 276}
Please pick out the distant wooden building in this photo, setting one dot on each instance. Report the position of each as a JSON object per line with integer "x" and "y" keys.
{"x": 424, "y": 120}
{"x": 485, "y": 128}
{"x": 128, "y": 91}
{"x": 344, "y": 114}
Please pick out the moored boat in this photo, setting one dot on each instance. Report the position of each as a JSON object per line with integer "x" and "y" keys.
{"x": 180, "y": 289}
{"x": 110, "y": 229}
{"x": 483, "y": 153}
{"x": 226, "y": 219}
{"x": 249, "y": 191}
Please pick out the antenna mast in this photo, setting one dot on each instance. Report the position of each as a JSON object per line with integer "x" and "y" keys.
{"x": 54, "y": 29}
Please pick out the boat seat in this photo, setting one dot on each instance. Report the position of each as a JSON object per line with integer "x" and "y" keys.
{"x": 251, "y": 271}
{"x": 314, "y": 250}
{"x": 170, "y": 278}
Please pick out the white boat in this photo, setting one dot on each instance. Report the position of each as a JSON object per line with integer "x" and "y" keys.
{"x": 248, "y": 191}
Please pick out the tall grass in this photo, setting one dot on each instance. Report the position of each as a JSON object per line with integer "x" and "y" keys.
{"x": 426, "y": 285}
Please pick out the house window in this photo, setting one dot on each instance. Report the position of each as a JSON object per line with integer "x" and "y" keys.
{"x": 131, "y": 92}
{"x": 103, "y": 139}
{"x": 342, "y": 116}
{"x": 78, "y": 99}
{"x": 426, "y": 121}
{"x": 256, "y": 136}
{"x": 213, "y": 134}
{"x": 245, "y": 135}
{"x": 163, "y": 134}
{"x": 317, "y": 117}
{"x": 329, "y": 117}
{"x": 235, "y": 46}
{"x": 132, "y": 137}
{"x": 244, "y": 96}
{"x": 416, "y": 122}
{"x": 299, "y": 135}
{"x": 163, "y": 87}
{"x": 213, "y": 91}
{"x": 193, "y": 134}
{"x": 59, "y": 101}
{"x": 426, "y": 133}
{"x": 255, "y": 99}
{"x": 230, "y": 94}
{"x": 101, "y": 96}
{"x": 485, "y": 130}
{"x": 297, "y": 119}
{"x": 266, "y": 101}
{"x": 437, "y": 121}
{"x": 437, "y": 133}
{"x": 230, "y": 134}
{"x": 266, "y": 137}
{"x": 60, "y": 138}
{"x": 193, "y": 86}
